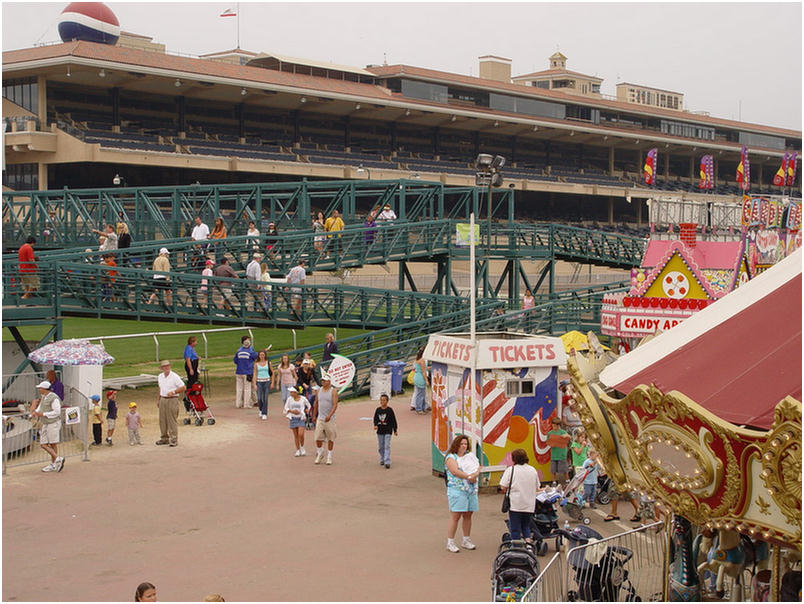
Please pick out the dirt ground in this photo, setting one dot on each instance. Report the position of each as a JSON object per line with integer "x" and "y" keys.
{"x": 231, "y": 510}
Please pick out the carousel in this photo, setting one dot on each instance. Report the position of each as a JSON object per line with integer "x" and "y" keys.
{"x": 706, "y": 419}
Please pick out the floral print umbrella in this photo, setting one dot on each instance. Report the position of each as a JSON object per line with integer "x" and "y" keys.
{"x": 71, "y": 352}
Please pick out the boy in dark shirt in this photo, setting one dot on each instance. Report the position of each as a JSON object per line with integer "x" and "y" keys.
{"x": 384, "y": 425}
{"x": 111, "y": 414}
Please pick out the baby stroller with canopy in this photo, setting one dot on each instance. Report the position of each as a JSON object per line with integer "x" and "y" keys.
{"x": 514, "y": 570}
{"x": 572, "y": 500}
{"x": 600, "y": 573}
{"x": 544, "y": 522}
{"x": 195, "y": 405}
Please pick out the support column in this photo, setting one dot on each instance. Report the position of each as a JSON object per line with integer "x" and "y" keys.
{"x": 41, "y": 175}
{"x": 436, "y": 141}
{"x": 759, "y": 176}
{"x": 638, "y": 205}
{"x": 667, "y": 166}
{"x": 692, "y": 169}
{"x": 611, "y": 161}
{"x": 41, "y": 101}
{"x": 611, "y": 210}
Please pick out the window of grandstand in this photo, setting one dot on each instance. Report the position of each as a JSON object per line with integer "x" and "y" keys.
{"x": 563, "y": 83}
{"x": 23, "y": 92}
{"x": 687, "y": 130}
{"x": 425, "y": 91}
{"x": 577, "y": 112}
{"x": 761, "y": 140}
{"x": 504, "y": 102}
{"x": 541, "y": 84}
{"x": 21, "y": 177}
{"x": 474, "y": 97}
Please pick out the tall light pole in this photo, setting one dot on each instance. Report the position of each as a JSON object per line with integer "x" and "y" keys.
{"x": 489, "y": 173}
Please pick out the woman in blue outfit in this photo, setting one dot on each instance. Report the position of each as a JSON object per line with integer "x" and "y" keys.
{"x": 462, "y": 468}
{"x": 191, "y": 361}
{"x": 261, "y": 381}
{"x": 420, "y": 383}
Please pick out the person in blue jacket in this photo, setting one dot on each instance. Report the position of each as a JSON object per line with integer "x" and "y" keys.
{"x": 244, "y": 358}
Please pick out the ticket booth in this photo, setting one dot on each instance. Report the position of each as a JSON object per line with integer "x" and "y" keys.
{"x": 509, "y": 406}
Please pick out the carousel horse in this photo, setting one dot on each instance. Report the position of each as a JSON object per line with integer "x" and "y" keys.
{"x": 725, "y": 558}
{"x": 701, "y": 546}
{"x": 684, "y": 583}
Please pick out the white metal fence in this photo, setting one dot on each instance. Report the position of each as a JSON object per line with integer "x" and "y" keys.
{"x": 21, "y": 431}
{"x": 627, "y": 567}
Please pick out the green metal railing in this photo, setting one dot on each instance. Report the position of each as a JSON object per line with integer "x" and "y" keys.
{"x": 101, "y": 291}
{"x": 167, "y": 212}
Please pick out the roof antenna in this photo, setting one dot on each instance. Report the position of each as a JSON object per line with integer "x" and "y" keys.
{"x": 384, "y": 59}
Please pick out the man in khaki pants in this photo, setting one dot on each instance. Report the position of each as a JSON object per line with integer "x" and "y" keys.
{"x": 170, "y": 386}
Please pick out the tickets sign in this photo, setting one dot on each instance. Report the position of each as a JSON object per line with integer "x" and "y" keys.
{"x": 525, "y": 351}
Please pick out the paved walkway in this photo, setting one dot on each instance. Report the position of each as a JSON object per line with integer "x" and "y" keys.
{"x": 232, "y": 511}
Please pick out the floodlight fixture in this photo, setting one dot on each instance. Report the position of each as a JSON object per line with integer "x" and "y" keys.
{"x": 243, "y": 92}
{"x": 499, "y": 162}
{"x": 102, "y": 73}
{"x": 483, "y": 161}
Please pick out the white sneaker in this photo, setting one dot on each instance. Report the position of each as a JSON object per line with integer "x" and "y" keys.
{"x": 303, "y": 452}
{"x": 49, "y": 468}
{"x": 297, "y": 453}
{"x": 263, "y": 416}
{"x": 467, "y": 543}
{"x": 329, "y": 460}
{"x": 319, "y": 457}
{"x": 59, "y": 464}
{"x": 451, "y": 547}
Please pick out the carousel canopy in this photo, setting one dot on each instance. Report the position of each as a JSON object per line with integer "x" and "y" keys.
{"x": 737, "y": 358}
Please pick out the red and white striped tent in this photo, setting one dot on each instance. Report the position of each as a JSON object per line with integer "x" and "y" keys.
{"x": 737, "y": 358}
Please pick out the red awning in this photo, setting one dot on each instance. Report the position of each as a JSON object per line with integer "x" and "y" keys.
{"x": 737, "y": 358}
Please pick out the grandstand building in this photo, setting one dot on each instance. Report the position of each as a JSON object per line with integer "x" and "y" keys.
{"x": 76, "y": 114}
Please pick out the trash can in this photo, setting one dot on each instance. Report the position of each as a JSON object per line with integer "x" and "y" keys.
{"x": 397, "y": 375}
{"x": 380, "y": 382}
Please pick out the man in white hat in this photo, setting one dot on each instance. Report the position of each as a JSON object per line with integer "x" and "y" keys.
{"x": 48, "y": 408}
{"x": 170, "y": 387}
{"x": 161, "y": 268}
{"x": 326, "y": 403}
{"x": 253, "y": 273}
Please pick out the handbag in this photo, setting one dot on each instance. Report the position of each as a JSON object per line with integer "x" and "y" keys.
{"x": 506, "y": 502}
{"x": 410, "y": 376}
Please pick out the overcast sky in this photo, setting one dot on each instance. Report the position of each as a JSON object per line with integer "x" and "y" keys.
{"x": 736, "y": 60}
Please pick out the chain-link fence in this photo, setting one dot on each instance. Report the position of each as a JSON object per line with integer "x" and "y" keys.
{"x": 628, "y": 567}
{"x": 21, "y": 430}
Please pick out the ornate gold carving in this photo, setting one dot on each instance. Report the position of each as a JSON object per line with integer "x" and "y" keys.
{"x": 713, "y": 484}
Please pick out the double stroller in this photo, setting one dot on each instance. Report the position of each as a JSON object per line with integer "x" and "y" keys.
{"x": 599, "y": 572}
{"x": 515, "y": 569}
{"x": 195, "y": 405}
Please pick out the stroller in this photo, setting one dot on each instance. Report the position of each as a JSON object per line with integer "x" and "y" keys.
{"x": 514, "y": 570}
{"x": 544, "y": 524}
{"x": 572, "y": 501}
{"x": 604, "y": 489}
{"x": 195, "y": 405}
{"x": 600, "y": 573}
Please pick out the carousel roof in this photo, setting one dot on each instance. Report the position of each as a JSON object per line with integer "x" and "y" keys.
{"x": 737, "y": 358}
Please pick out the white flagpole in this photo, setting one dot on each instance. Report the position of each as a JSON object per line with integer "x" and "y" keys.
{"x": 238, "y": 25}
{"x": 472, "y": 334}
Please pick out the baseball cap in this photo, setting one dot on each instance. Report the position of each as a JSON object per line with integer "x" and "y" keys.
{"x": 210, "y": 263}
{"x": 325, "y": 377}
{"x": 94, "y": 397}
{"x": 257, "y": 255}
{"x": 164, "y": 250}
{"x": 111, "y": 392}
{"x": 306, "y": 362}
{"x": 164, "y": 362}
{"x": 132, "y": 405}
{"x": 44, "y": 384}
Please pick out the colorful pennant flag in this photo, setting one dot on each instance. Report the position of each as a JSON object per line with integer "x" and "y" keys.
{"x": 744, "y": 170}
{"x": 649, "y": 169}
{"x": 791, "y": 169}
{"x": 781, "y": 174}
{"x": 707, "y": 172}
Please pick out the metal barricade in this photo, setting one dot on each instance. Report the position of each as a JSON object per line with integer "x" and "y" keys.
{"x": 627, "y": 567}
{"x": 550, "y": 585}
{"x": 21, "y": 434}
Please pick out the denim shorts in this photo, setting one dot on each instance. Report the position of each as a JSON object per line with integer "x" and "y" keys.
{"x": 461, "y": 501}
{"x": 297, "y": 422}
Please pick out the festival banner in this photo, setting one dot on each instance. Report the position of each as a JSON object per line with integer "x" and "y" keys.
{"x": 791, "y": 168}
{"x": 745, "y": 218}
{"x": 744, "y": 170}
{"x": 794, "y": 216}
{"x": 780, "y": 177}
{"x": 649, "y": 169}
{"x": 707, "y": 171}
